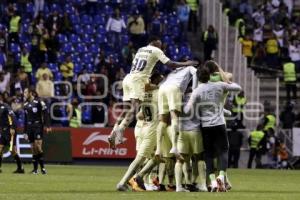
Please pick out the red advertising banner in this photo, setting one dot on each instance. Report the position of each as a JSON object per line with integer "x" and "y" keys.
{"x": 93, "y": 143}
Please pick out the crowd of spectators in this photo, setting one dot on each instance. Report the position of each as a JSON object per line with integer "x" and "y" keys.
{"x": 269, "y": 31}
{"x": 56, "y": 46}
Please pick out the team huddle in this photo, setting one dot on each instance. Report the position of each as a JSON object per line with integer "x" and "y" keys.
{"x": 180, "y": 129}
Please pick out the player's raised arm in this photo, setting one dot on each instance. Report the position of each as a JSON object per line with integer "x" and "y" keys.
{"x": 232, "y": 87}
{"x": 195, "y": 78}
{"x": 174, "y": 64}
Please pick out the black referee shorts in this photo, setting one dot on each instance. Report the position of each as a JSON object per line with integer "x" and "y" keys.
{"x": 215, "y": 140}
{"x": 35, "y": 132}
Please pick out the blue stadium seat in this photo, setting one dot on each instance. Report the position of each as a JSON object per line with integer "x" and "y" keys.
{"x": 90, "y": 67}
{"x": 58, "y": 76}
{"x": 101, "y": 39}
{"x": 175, "y": 31}
{"x": 184, "y": 51}
{"x": 101, "y": 30}
{"x": 30, "y": 8}
{"x": 87, "y": 58}
{"x": 76, "y": 59}
{"x": 86, "y": 114}
{"x": 24, "y": 38}
{"x": 99, "y": 20}
{"x": 14, "y": 48}
{"x": 77, "y": 68}
{"x": 61, "y": 57}
{"x": 108, "y": 10}
{"x": 166, "y": 39}
{"x": 62, "y": 38}
{"x": 78, "y": 29}
{"x": 18, "y": 57}
{"x": 140, "y": 2}
{"x": 67, "y": 48}
{"x": 25, "y": 27}
{"x": 173, "y": 21}
{"x": 53, "y": 67}
{"x": 74, "y": 38}
{"x": 86, "y": 19}
{"x": 69, "y": 8}
{"x": 124, "y": 39}
{"x": 87, "y": 38}
{"x": 55, "y": 7}
{"x": 81, "y": 48}
{"x": 88, "y": 29}
{"x": 75, "y": 19}
{"x": 94, "y": 48}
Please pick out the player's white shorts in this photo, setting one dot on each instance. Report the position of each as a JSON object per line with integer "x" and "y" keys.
{"x": 167, "y": 144}
{"x": 147, "y": 139}
{"x": 134, "y": 86}
{"x": 137, "y": 132}
{"x": 169, "y": 99}
{"x": 190, "y": 142}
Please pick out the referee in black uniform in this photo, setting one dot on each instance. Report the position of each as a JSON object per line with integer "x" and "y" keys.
{"x": 36, "y": 118}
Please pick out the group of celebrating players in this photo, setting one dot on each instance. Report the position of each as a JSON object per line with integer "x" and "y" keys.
{"x": 180, "y": 127}
{"x": 36, "y": 119}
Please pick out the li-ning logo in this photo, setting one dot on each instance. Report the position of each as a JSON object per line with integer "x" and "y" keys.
{"x": 96, "y": 136}
{"x": 101, "y": 151}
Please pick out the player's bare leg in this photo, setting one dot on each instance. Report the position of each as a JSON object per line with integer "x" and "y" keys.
{"x": 122, "y": 123}
{"x": 199, "y": 172}
{"x": 136, "y": 163}
{"x": 161, "y": 129}
{"x": 175, "y": 132}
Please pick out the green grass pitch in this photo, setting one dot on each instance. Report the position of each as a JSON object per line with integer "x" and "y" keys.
{"x": 98, "y": 183}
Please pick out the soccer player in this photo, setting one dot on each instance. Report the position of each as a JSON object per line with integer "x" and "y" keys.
{"x": 146, "y": 136}
{"x": 7, "y": 134}
{"x": 190, "y": 145}
{"x": 170, "y": 102}
{"x": 36, "y": 118}
{"x": 134, "y": 83}
{"x": 208, "y": 101}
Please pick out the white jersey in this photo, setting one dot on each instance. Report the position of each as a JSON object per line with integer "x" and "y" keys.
{"x": 258, "y": 35}
{"x": 279, "y": 34}
{"x": 181, "y": 77}
{"x": 207, "y": 100}
{"x": 294, "y": 53}
{"x": 145, "y": 60}
{"x": 150, "y": 106}
{"x": 189, "y": 122}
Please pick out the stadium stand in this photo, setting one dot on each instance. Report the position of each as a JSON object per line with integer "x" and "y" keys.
{"x": 77, "y": 28}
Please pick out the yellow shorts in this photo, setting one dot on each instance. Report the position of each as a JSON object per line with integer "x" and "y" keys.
{"x": 147, "y": 140}
{"x": 134, "y": 87}
{"x": 190, "y": 142}
{"x": 137, "y": 133}
{"x": 167, "y": 144}
{"x": 169, "y": 98}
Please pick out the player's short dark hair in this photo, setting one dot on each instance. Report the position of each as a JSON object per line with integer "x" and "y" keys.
{"x": 203, "y": 74}
{"x": 211, "y": 66}
{"x": 153, "y": 38}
